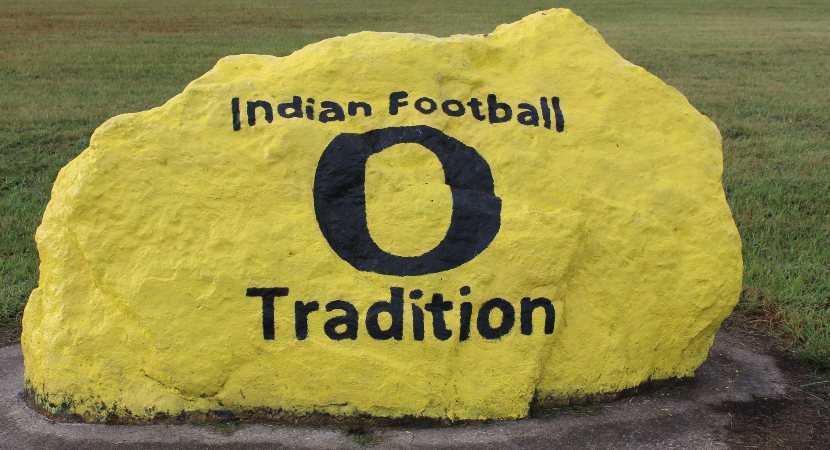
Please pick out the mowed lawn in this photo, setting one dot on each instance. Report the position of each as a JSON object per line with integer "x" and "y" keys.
{"x": 759, "y": 69}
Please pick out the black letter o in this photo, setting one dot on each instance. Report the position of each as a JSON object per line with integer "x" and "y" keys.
{"x": 507, "y": 320}
{"x": 457, "y": 112}
{"x": 340, "y": 201}
{"x": 432, "y": 105}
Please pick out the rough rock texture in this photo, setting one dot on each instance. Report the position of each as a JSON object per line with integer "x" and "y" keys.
{"x": 597, "y": 195}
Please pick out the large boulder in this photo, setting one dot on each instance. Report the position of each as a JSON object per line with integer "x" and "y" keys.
{"x": 386, "y": 225}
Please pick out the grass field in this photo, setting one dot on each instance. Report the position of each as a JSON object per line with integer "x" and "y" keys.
{"x": 759, "y": 69}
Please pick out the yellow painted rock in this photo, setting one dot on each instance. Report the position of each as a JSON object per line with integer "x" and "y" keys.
{"x": 386, "y": 225}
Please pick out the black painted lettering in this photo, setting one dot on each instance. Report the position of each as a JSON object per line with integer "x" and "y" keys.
{"x": 309, "y": 110}
{"x": 394, "y": 308}
{"x": 395, "y": 101}
{"x": 417, "y": 323}
{"x": 416, "y": 294}
{"x": 252, "y": 106}
{"x": 332, "y": 112}
{"x": 527, "y": 314}
{"x": 545, "y": 111}
{"x": 367, "y": 109}
{"x": 560, "y": 119}
{"x": 464, "y": 291}
{"x": 296, "y": 107}
{"x": 466, "y": 313}
{"x": 453, "y": 108}
{"x": 507, "y": 321}
{"x": 494, "y": 106}
{"x": 268, "y": 295}
{"x": 437, "y": 307}
{"x": 237, "y": 124}
{"x": 301, "y": 312}
{"x": 349, "y": 320}
{"x": 340, "y": 201}
{"x": 529, "y": 116}
{"x": 432, "y": 106}
{"x": 475, "y": 106}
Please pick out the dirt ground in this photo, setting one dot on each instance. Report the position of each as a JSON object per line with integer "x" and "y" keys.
{"x": 9, "y": 335}
{"x": 748, "y": 394}
{"x": 800, "y": 419}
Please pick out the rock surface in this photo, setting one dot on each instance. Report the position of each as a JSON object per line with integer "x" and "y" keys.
{"x": 387, "y": 225}
{"x": 690, "y": 416}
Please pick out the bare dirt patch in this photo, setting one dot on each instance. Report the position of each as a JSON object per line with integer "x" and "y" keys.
{"x": 9, "y": 335}
{"x": 798, "y": 420}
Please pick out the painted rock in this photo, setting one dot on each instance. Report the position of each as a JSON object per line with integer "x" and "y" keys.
{"x": 386, "y": 225}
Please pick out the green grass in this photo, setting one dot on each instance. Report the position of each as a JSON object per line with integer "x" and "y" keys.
{"x": 759, "y": 69}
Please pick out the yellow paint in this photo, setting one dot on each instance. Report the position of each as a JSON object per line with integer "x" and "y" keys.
{"x": 410, "y": 175}
{"x": 154, "y": 233}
